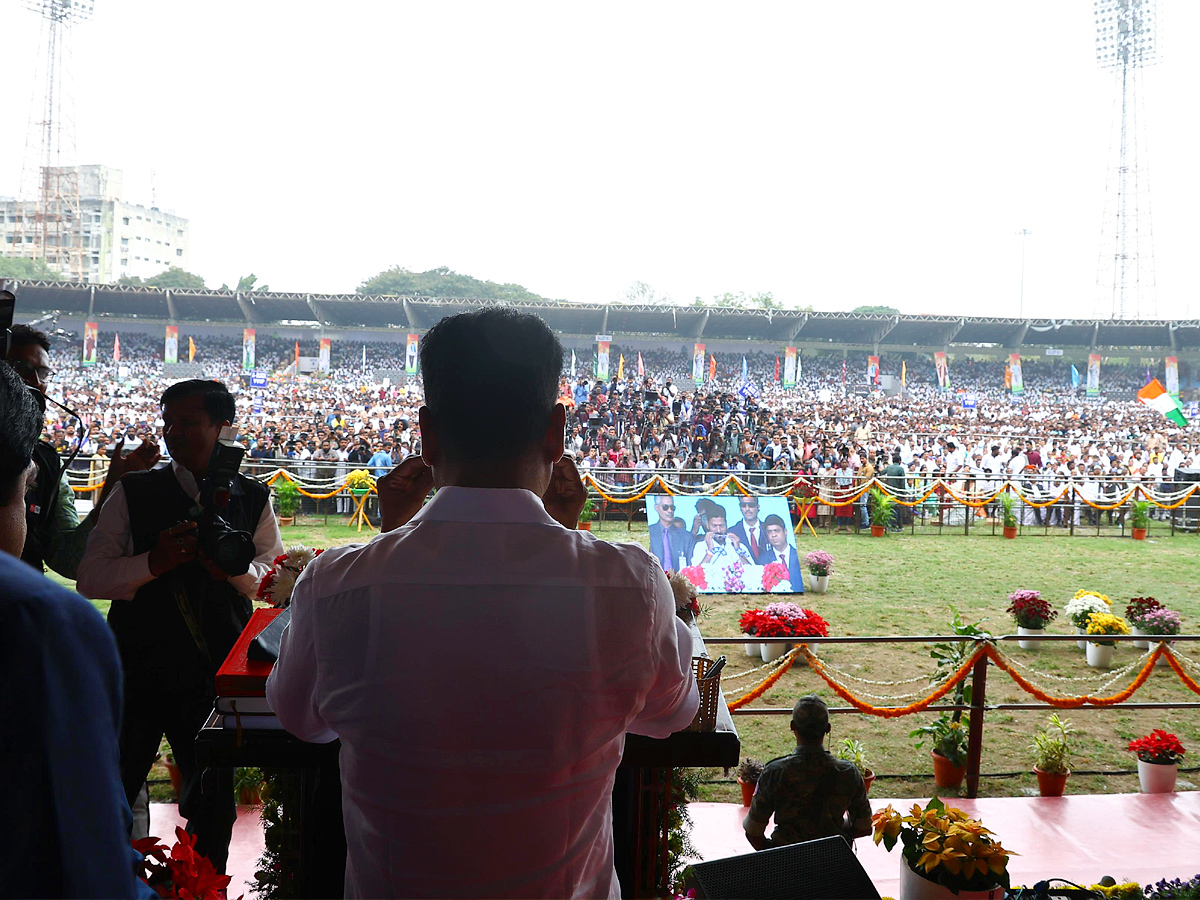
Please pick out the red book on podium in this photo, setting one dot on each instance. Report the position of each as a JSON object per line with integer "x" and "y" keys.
{"x": 240, "y": 676}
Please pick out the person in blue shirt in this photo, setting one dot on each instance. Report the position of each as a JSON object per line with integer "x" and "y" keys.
{"x": 66, "y": 822}
{"x": 381, "y": 461}
{"x": 581, "y": 393}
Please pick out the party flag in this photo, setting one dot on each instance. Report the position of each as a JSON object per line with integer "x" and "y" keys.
{"x": 641, "y": 366}
{"x": 191, "y": 350}
{"x": 745, "y": 373}
{"x": 572, "y": 363}
{"x": 621, "y": 368}
{"x": 116, "y": 348}
{"x": 1156, "y": 397}
{"x": 1074, "y": 376}
{"x": 904, "y": 373}
{"x": 777, "y": 370}
{"x": 712, "y": 368}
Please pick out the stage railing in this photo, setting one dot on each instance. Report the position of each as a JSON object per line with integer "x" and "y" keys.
{"x": 978, "y": 705}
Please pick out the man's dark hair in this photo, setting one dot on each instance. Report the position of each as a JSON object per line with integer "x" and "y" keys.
{"x": 24, "y": 336}
{"x": 218, "y": 402}
{"x": 774, "y": 520}
{"x": 495, "y": 373}
{"x": 22, "y": 425}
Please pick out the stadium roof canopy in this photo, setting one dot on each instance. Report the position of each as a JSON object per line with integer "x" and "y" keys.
{"x": 685, "y": 323}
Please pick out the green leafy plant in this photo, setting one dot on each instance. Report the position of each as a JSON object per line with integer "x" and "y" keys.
{"x": 948, "y": 733}
{"x": 1008, "y": 505}
{"x": 1139, "y": 517}
{"x": 748, "y": 770}
{"x": 1052, "y": 746}
{"x": 883, "y": 507}
{"x": 287, "y": 497}
{"x": 589, "y": 510}
{"x": 947, "y": 737}
{"x": 854, "y": 751}
{"x": 247, "y": 777}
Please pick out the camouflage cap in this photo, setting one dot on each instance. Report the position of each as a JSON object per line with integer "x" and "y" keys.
{"x": 810, "y": 713}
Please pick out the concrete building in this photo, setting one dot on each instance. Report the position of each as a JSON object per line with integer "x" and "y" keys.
{"x": 117, "y": 238}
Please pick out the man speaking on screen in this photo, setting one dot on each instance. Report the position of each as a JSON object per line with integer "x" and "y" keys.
{"x": 483, "y": 765}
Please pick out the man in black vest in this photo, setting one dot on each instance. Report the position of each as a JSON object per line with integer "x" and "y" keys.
{"x": 55, "y": 536}
{"x": 175, "y": 614}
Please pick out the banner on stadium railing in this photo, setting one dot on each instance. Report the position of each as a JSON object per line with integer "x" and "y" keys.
{"x": 323, "y": 356}
{"x": 943, "y": 370}
{"x": 171, "y": 347}
{"x": 1093, "y": 375}
{"x": 872, "y": 370}
{"x": 602, "y": 348}
{"x": 91, "y": 333}
{"x": 410, "y": 355}
{"x": 1014, "y": 367}
{"x": 1172, "y": 376}
{"x": 732, "y": 555}
{"x": 698, "y": 360}
{"x": 789, "y": 367}
{"x": 247, "y": 349}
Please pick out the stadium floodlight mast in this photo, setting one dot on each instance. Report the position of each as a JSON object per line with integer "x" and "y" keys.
{"x": 1127, "y": 41}
{"x": 58, "y": 235}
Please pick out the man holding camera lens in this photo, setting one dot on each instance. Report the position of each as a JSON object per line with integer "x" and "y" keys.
{"x": 180, "y": 551}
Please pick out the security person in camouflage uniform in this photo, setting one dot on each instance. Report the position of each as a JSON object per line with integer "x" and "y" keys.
{"x": 812, "y": 793}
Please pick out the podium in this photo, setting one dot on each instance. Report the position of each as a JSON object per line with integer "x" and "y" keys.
{"x": 642, "y": 780}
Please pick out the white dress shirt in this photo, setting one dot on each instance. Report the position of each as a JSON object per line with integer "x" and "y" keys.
{"x": 481, "y": 666}
{"x": 110, "y": 570}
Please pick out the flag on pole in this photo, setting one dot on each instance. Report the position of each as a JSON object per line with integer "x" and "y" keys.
{"x": 116, "y": 348}
{"x": 843, "y": 371}
{"x": 904, "y": 373}
{"x": 621, "y": 368}
{"x": 1074, "y": 376}
{"x": 712, "y": 367}
{"x": 641, "y": 366}
{"x": 364, "y": 365}
{"x": 1156, "y": 397}
{"x": 191, "y": 350}
{"x": 572, "y": 363}
{"x": 777, "y": 370}
{"x": 745, "y": 371}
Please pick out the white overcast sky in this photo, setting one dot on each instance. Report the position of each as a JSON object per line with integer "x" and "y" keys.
{"x": 835, "y": 154}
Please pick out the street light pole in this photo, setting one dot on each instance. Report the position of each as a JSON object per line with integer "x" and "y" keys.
{"x": 1022, "y": 234}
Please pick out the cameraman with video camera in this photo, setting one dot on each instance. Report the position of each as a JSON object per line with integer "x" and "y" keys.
{"x": 180, "y": 551}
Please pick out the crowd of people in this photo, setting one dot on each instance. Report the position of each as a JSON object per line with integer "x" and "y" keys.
{"x": 832, "y": 432}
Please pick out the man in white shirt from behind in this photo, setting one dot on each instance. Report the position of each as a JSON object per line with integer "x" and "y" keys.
{"x": 483, "y": 765}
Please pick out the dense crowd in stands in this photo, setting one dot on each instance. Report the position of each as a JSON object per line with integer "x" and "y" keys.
{"x": 832, "y": 422}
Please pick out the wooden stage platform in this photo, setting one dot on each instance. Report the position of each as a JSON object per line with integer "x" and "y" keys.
{"x": 1135, "y": 837}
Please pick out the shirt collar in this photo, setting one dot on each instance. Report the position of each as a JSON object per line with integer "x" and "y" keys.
{"x": 463, "y": 504}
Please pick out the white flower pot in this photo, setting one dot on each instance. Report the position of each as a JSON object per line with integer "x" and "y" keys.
{"x": 1030, "y": 645}
{"x": 818, "y": 584}
{"x": 751, "y": 646}
{"x": 1141, "y": 645}
{"x": 1157, "y": 778}
{"x": 1162, "y": 660}
{"x": 1082, "y": 645}
{"x": 772, "y": 652}
{"x": 918, "y": 887}
{"x": 1100, "y": 656}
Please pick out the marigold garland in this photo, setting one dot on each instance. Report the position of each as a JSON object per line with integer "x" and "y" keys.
{"x": 769, "y": 681}
{"x": 1075, "y": 702}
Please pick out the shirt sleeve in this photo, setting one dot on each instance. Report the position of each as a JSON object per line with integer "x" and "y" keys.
{"x": 762, "y": 807}
{"x": 292, "y": 684}
{"x": 68, "y": 536}
{"x": 673, "y": 698}
{"x": 109, "y": 568}
{"x": 269, "y": 544}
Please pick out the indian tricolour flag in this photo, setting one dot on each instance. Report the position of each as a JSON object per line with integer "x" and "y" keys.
{"x": 1155, "y": 396}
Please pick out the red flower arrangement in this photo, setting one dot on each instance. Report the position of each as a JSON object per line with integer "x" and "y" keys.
{"x": 180, "y": 872}
{"x": 695, "y": 574}
{"x": 773, "y": 574}
{"x": 277, "y": 585}
{"x": 783, "y": 620}
{"x": 1029, "y": 609}
{"x": 1158, "y": 746}
{"x": 1138, "y": 607}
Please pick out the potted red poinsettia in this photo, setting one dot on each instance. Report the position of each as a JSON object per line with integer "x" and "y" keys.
{"x": 180, "y": 872}
{"x": 1158, "y": 755}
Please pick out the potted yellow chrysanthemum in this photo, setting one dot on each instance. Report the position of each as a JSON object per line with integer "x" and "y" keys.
{"x": 1099, "y": 651}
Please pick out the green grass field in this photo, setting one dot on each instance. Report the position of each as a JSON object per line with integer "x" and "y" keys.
{"x": 904, "y": 584}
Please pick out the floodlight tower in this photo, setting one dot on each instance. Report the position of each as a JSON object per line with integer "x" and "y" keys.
{"x": 58, "y": 224}
{"x": 1127, "y": 41}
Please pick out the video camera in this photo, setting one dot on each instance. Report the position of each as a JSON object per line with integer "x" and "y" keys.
{"x": 232, "y": 550}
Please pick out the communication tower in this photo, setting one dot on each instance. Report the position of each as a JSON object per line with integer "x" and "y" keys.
{"x": 1126, "y": 42}
{"x": 50, "y": 174}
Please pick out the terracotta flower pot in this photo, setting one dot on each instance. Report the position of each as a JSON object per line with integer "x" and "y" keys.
{"x": 585, "y": 526}
{"x": 878, "y": 530}
{"x": 747, "y": 791}
{"x": 1139, "y": 534}
{"x": 249, "y": 796}
{"x": 175, "y": 775}
{"x": 285, "y": 521}
{"x": 945, "y": 773}
{"x": 868, "y": 779}
{"x": 1051, "y": 784}
{"x": 1010, "y": 531}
